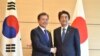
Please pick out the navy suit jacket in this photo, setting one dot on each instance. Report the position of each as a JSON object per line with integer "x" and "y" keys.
{"x": 71, "y": 44}
{"x": 39, "y": 45}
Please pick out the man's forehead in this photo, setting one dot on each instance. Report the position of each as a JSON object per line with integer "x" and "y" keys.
{"x": 64, "y": 15}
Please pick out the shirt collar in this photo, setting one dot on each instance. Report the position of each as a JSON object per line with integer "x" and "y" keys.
{"x": 42, "y": 28}
{"x": 65, "y": 27}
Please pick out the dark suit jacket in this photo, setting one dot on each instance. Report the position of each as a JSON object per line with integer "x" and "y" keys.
{"x": 71, "y": 44}
{"x": 39, "y": 45}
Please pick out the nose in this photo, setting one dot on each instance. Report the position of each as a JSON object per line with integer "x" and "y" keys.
{"x": 64, "y": 18}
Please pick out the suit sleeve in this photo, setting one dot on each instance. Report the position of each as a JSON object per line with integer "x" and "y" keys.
{"x": 77, "y": 43}
{"x": 36, "y": 44}
{"x": 55, "y": 42}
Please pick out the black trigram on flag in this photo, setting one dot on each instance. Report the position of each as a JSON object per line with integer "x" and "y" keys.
{"x": 11, "y": 6}
{"x": 10, "y": 47}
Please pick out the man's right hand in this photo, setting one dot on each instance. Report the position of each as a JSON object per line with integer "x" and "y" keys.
{"x": 53, "y": 50}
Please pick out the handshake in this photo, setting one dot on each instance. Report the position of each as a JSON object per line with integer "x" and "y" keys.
{"x": 53, "y": 50}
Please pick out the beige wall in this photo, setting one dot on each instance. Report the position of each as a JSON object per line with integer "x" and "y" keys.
{"x": 28, "y": 11}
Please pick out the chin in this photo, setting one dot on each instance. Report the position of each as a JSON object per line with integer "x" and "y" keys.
{"x": 44, "y": 26}
{"x": 64, "y": 24}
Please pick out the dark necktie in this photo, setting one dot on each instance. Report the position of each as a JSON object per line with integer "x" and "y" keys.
{"x": 63, "y": 34}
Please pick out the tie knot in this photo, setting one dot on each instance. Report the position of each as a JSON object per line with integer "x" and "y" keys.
{"x": 64, "y": 29}
{"x": 45, "y": 31}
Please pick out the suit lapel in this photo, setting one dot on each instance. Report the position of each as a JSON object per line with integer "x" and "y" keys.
{"x": 50, "y": 38}
{"x": 59, "y": 34}
{"x": 40, "y": 31}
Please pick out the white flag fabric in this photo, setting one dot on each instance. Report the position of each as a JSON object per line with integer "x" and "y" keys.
{"x": 11, "y": 39}
{"x": 78, "y": 21}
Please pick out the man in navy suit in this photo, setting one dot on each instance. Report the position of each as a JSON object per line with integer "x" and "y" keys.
{"x": 66, "y": 38}
{"x": 41, "y": 38}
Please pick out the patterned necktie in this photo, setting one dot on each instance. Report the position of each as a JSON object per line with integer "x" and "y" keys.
{"x": 63, "y": 34}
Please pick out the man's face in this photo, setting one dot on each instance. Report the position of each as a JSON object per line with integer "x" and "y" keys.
{"x": 43, "y": 21}
{"x": 64, "y": 19}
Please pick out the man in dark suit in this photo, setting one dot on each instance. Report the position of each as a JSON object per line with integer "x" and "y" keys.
{"x": 66, "y": 38}
{"x": 41, "y": 38}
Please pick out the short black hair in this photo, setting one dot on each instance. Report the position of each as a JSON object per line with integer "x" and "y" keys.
{"x": 63, "y": 12}
{"x": 41, "y": 14}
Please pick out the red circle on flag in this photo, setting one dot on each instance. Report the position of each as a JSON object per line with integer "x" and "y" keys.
{"x": 80, "y": 24}
{"x": 13, "y": 22}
